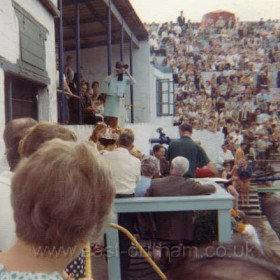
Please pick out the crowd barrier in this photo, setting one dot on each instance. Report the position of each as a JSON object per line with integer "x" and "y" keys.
{"x": 220, "y": 201}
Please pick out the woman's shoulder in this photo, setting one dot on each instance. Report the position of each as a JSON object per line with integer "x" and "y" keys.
{"x": 16, "y": 275}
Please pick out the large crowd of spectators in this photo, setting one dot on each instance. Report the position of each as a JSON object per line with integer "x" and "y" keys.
{"x": 227, "y": 77}
{"x": 92, "y": 101}
{"x": 59, "y": 192}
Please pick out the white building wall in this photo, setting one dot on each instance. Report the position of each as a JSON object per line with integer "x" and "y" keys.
{"x": 142, "y": 90}
{"x": 47, "y": 97}
{"x": 9, "y": 49}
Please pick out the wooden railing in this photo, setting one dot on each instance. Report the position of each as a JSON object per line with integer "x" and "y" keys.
{"x": 220, "y": 201}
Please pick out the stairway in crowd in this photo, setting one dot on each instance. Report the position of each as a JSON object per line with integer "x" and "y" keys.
{"x": 254, "y": 209}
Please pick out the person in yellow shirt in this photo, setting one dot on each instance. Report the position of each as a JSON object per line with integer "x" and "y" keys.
{"x": 239, "y": 154}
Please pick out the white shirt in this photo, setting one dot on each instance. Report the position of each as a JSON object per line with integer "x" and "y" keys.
{"x": 225, "y": 156}
{"x": 126, "y": 170}
{"x": 7, "y": 224}
{"x": 238, "y": 139}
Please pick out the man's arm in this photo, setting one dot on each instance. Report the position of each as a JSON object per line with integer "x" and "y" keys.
{"x": 199, "y": 189}
{"x": 211, "y": 166}
{"x": 205, "y": 161}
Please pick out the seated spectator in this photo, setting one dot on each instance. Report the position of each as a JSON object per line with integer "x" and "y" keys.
{"x": 262, "y": 147}
{"x": 238, "y": 138}
{"x": 159, "y": 153}
{"x": 95, "y": 89}
{"x": 176, "y": 226}
{"x": 98, "y": 107}
{"x": 87, "y": 110}
{"x": 225, "y": 155}
{"x": 149, "y": 167}
{"x": 63, "y": 222}
{"x": 14, "y": 132}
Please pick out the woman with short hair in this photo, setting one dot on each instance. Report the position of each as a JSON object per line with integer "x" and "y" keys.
{"x": 41, "y": 133}
{"x": 149, "y": 168}
{"x": 62, "y": 198}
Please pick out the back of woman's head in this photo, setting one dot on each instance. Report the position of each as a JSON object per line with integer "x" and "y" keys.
{"x": 98, "y": 129}
{"x": 149, "y": 166}
{"x": 61, "y": 195}
{"x": 14, "y": 132}
{"x": 232, "y": 261}
{"x": 42, "y": 133}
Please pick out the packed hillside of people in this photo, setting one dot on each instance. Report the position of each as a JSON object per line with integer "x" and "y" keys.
{"x": 227, "y": 78}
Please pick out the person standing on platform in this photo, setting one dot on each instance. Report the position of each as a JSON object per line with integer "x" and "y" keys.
{"x": 187, "y": 148}
{"x": 117, "y": 81}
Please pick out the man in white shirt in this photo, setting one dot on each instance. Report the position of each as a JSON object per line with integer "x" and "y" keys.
{"x": 225, "y": 155}
{"x": 126, "y": 169}
{"x": 13, "y": 134}
{"x": 126, "y": 173}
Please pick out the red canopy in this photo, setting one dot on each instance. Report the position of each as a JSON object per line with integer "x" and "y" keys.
{"x": 210, "y": 19}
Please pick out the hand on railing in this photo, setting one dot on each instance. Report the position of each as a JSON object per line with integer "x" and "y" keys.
{"x": 69, "y": 93}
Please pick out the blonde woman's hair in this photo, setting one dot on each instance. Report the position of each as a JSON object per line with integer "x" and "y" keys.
{"x": 62, "y": 195}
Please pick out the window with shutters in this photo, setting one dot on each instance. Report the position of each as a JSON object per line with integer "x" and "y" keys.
{"x": 32, "y": 43}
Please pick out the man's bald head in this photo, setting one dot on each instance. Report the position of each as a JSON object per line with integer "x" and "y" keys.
{"x": 14, "y": 132}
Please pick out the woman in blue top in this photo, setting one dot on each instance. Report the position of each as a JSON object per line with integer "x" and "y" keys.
{"x": 62, "y": 197}
{"x": 118, "y": 82}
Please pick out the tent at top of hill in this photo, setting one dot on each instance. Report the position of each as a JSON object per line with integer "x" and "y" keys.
{"x": 218, "y": 19}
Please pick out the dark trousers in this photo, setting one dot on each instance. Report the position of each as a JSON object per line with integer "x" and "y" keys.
{"x": 126, "y": 220}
